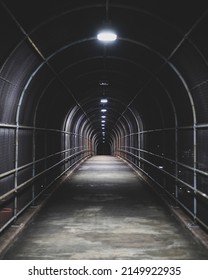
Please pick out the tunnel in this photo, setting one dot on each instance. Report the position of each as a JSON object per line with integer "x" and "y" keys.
{"x": 70, "y": 100}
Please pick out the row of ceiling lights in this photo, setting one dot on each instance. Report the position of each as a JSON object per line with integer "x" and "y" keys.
{"x": 105, "y": 36}
{"x": 103, "y": 101}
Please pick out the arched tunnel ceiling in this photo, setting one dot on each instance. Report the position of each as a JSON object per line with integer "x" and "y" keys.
{"x": 62, "y": 36}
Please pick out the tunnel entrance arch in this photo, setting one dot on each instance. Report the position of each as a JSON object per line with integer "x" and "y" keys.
{"x": 103, "y": 149}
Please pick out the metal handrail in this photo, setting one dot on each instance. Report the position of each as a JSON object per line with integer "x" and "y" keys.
{"x": 167, "y": 173}
{"x": 5, "y": 174}
{"x": 21, "y": 186}
{"x": 170, "y": 160}
{"x": 194, "y": 216}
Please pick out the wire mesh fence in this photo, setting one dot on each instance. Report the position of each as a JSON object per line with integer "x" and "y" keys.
{"x": 180, "y": 177}
{"x": 30, "y": 163}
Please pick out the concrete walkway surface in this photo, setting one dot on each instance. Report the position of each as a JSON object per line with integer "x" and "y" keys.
{"x": 105, "y": 211}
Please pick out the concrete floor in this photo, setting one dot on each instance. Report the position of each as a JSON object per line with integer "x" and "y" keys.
{"x": 105, "y": 211}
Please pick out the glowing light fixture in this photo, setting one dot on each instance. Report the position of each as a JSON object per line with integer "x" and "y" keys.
{"x": 103, "y": 121}
{"x": 104, "y": 83}
{"x": 104, "y": 100}
{"x": 103, "y": 117}
{"x": 103, "y": 110}
{"x": 107, "y": 36}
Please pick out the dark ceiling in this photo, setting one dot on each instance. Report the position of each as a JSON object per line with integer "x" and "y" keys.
{"x": 62, "y": 35}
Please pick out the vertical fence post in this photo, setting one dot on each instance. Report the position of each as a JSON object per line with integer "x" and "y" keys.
{"x": 33, "y": 166}
{"x": 16, "y": 168}
{"x": 176, "y": 164}
{"x": 195, "y": 175}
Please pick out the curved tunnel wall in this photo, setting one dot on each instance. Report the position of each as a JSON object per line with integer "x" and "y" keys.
{"x": 157, "y": 111}
{"x": 172, "y": 143}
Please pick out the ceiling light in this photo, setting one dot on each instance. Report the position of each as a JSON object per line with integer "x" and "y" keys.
{"x": 103, "y": 117}
{"x": 107, "y": 36}
{"x": 104, "y": 83}
{"x": 103, "y": 110}
{"x": 103, "y": 121}
{"x": 104, "y": 100}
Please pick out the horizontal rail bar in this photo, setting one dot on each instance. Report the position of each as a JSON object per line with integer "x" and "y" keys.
{"x": 169, "y": 194}
{"x": 40, "y": 193}
{"x": 21, "y": 186}
{"x": 162, "y": 129}
{"x": 170, "y": 160}
{"x": 5, "y": 174}
{"x": 24, "y": 127}
{"x": 169, "y": 174}
{"x": 6, "y": 125}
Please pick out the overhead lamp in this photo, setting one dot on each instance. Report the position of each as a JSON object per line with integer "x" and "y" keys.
{"x": 103, "y": 110}
{"x": 103, "y": 121}
{"x": 103, "y": 117}
{"x": 103, "y": 83}
{"x": 104, "y": 100}
{"x": 107, "y": 36}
